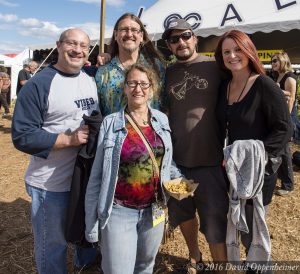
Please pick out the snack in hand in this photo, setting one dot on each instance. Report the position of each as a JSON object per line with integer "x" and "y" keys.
{"x": 182, "y": 187}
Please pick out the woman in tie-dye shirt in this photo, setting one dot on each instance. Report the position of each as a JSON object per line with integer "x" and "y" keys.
{"x": 123, "y": 187}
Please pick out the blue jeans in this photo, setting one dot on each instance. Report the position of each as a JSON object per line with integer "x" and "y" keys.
{"x": 129, "y": 242}
{"x": 48, "y": 217}
{"x": 285, "y": 171}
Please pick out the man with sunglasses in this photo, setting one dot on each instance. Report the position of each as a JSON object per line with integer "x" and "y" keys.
{"x": 191, "y": 90}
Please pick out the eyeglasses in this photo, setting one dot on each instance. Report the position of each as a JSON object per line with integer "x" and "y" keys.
{"x": 74, "y": 44}
{"x": 274, "y": 61}
{"x": 133, "y": 84}
{"x": 184, "y": 36}
{"x": 126, "y": 30}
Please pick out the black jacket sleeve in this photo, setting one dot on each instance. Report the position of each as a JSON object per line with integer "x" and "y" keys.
{"x": 278, "y": 118}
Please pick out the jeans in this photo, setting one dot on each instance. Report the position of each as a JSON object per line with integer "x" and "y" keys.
{"x": 48, "y": 217}
{"x": 3, "y": 102}
{"x": 296, "y": 125}
{"x": 285, "y": 171}
{"x": 129, "y": 242}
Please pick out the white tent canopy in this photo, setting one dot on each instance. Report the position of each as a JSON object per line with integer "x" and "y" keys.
{"x": 5, "y": 60}
{"x": 16, "y": 64}
{"x": 216, "y": 17}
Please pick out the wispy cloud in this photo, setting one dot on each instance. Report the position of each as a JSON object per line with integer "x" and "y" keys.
{"x": 31, "y": 23}
{"x": 41, "y": 30}
{"x": 35, "y": 31}
{"x": 9, "y": 47}
{"x": 114, "y": 3}
{"x": 8, "y": 17}
{"x": 93, "y": 30}
{"x": 8, "y": 4}
{"x": 38, "y": 29}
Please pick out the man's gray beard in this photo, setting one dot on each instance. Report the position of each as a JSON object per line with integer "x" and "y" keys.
{"x": 131, "y": 50}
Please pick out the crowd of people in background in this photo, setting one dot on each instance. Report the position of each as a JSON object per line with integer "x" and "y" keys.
{"x": 4, "y": 89}
{"x": 25, "y": 74}
{"x": 195, "y": 118}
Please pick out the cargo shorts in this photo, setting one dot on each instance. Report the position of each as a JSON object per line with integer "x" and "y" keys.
{"x": 210, "y": 201}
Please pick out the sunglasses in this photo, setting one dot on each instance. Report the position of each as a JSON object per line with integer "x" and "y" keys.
{"x": 274, "y": 61}
{"x": 184, "y": 36}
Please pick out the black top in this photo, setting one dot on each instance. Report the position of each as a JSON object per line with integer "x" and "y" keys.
{"x": 190, "y": 96}
{"x": 262, "y": 115}
{"x": 23, "y": 75}
{"x": 287, "y": 75}
{"x": 282, "y": 86}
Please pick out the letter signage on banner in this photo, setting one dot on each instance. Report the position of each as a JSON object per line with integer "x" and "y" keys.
{"x": 231, "y": 14}
{"x": 193, "y": 18}
{"x": 264, "y": 55}
{"x": 236, "y": 15}
{"x": 282, "y": 6}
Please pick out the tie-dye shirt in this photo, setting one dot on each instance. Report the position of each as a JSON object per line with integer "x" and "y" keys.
{"x": 110, "y": 79}
{"x": 136, "y": 181}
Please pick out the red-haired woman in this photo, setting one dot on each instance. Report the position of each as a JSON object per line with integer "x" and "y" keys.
{"x": 250, "y": 106}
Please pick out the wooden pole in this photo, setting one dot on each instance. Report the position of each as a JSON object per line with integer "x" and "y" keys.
{"x": 102, "y": 27}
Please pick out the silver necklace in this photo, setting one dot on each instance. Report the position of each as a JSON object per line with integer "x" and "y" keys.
{"x": 229, "y": 85}
{"x": 144, "y": 121}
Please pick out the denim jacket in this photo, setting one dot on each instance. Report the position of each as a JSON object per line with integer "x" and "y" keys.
{"x": 104, "y": 175}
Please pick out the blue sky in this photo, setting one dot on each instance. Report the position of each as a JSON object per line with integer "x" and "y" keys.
{"x": 34, "y": 22}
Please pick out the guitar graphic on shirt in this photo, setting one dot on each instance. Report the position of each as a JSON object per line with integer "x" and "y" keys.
{"x": 189, "y": 81}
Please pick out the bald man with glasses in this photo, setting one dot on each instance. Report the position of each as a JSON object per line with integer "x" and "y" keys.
{"x": 48, "y": 125}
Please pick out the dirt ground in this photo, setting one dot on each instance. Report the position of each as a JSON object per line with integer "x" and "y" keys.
{"x": 16, "y": 242}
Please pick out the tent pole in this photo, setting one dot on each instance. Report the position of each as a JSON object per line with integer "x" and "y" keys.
{"x": 92, "y": 48}
{"x": 102, "y": 26}
{"x": 44, "y": 61}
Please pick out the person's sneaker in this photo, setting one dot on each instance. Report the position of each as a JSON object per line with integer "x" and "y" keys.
{"x": 282, "y": 192}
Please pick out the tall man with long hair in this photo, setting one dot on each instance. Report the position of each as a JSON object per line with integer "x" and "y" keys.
{"x": 130, "y": 44}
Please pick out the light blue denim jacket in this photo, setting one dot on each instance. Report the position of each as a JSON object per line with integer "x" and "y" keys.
{"x": 104, "y": 175}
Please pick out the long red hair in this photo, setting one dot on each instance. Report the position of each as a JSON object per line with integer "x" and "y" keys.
{"x": 247, "y": 47}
